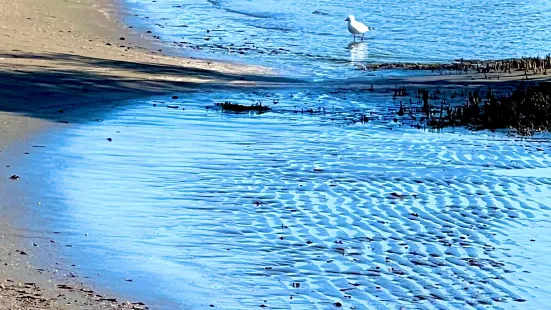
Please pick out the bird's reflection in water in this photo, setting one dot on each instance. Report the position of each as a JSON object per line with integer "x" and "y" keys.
{"x": 358, "y": 51}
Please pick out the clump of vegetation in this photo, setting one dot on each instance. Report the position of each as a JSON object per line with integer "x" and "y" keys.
{"x": 239, "y": 108}
{"x": 527, "y": 109}
{"x": 536, "y": 65}
{"x": 527, "y": 64}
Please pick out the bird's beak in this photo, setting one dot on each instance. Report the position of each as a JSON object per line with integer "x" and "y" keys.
{"x": 346, "y": 20}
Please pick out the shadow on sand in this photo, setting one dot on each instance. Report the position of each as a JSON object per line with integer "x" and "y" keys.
{"x": 36, "y": 84}
{"x": 40, "y": 85}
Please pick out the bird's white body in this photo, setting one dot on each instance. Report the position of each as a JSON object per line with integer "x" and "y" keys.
{"x": 355, "y": 27}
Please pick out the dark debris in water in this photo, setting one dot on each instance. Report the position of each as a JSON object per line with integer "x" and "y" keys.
{"x": 527, "y": 64}
{"x": 526, "y": 110}
{"x": 240, "y": 108}
{"x": 521, "y": 106}
{"x": 316, "y": 12}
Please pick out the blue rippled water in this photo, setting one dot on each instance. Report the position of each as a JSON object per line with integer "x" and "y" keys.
{"x": 296, "y": 211}
{"x": 310, "y": 37}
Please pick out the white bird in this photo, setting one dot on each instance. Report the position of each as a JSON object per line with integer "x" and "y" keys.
{"x": 355, "y": 27}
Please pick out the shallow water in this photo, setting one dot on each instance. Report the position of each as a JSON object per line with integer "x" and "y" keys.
{"x": 310, "y": 37}
{"x": 296, "y": 211}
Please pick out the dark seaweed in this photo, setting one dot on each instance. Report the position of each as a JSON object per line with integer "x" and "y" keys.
{"x": 239, "y": 108}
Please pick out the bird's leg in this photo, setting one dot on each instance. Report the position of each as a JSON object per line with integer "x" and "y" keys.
{"x": 363, "y": 36}
{"x": 354, "y": 37}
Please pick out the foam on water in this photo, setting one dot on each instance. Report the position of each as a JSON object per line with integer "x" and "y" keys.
{"x": 299, "y": 211}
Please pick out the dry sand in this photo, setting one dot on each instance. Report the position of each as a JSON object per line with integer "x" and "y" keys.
{"x": 67, "y": 50}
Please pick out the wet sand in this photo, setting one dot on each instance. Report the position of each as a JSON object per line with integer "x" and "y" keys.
{"x": 31, "y": 277}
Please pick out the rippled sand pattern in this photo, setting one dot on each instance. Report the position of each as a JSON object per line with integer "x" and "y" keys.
{"x": 297, "y": 211}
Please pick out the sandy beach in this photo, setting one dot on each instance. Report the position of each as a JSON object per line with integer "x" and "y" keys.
{"x": 66, "y": 50}
{"x": 54, "y": 52}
